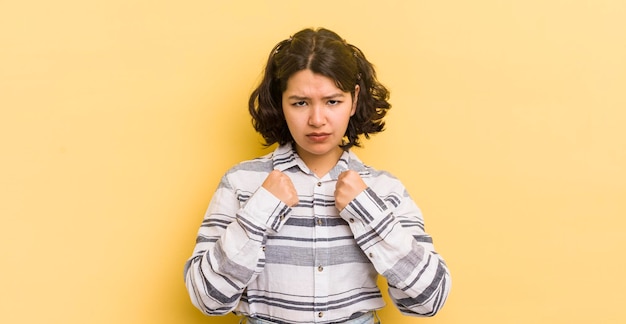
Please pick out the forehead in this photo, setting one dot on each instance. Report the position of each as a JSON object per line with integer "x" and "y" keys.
{"x": 305, "y": 82}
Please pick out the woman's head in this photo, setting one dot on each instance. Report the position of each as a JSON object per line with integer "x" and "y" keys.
{"x": 325, "y": 53}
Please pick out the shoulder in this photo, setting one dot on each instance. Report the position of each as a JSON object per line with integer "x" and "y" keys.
{"x": 383, "y": 178}
{"x": 381, "y": 181}
{"x": 388, "y": 187}
{"x": 261, "y": 164}
{"x": 248, "y": 174}
{"x": 368, "y": 171}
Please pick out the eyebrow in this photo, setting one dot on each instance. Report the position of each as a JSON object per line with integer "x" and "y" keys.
{"x": 296, "y": 97}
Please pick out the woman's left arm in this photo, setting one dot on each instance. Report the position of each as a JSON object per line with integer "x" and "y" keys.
{"x": 389, "y": 228}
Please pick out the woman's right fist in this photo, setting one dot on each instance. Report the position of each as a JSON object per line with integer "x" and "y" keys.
{"x": 280, "y": 185}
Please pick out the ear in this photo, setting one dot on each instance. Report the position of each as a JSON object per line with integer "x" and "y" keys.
{"x": 355, "y": 99}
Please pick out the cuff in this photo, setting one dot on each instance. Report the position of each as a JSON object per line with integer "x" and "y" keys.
{"x": 366, "y": 207}
{"x": 264, "y": 211}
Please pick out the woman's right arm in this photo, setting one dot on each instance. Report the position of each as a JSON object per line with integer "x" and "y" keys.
{"x": 229, "y": 247}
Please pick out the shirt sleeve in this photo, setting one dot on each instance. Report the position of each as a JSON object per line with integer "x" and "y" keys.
{"x": 229, "y": 251}
{"x": 390, "y": 230}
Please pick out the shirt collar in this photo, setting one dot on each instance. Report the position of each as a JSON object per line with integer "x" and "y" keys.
{"x": 285, "y": 157}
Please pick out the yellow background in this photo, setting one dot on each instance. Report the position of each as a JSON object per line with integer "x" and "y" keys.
{"x": 119, "y": 117}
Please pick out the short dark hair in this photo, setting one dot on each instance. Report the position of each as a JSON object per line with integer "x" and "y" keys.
{"x": 323, "y": 52}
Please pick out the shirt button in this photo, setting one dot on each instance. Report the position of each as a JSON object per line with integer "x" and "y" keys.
{"x": 263, "y": 249}
{"x": 319, "y": 221}
{"x": 371, "y": 255}
{"x": 319, "y": 184}
{"x": 320, "y": 268}
{"x": 282, "y": 216}
{"x": 351, "y": 220}
{"x": 320, "y": 314}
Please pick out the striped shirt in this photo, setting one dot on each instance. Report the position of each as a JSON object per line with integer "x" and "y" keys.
{"x": 310, "y": 263}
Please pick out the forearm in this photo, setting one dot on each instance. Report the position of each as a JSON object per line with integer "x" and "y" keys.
{"x": 430, "y": 289}
{"x": 391, "y": 235}
{"x": 229, "y": 252}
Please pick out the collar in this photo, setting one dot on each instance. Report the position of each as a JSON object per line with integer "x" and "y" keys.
{"x": 285, "y": 157}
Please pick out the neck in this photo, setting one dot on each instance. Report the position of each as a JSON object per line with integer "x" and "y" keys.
{"x": 320, "y": 164}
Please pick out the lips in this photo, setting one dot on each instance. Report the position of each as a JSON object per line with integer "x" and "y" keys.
{"x": 318, "y": 137}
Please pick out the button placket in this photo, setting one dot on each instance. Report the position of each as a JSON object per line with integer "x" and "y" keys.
{"x": 320, "y": 195}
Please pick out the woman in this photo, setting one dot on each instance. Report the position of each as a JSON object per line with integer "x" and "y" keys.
{"x": 301, "y": 234}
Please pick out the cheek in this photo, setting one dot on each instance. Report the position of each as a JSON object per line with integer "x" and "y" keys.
{"x": 293, "y": 121}
{"x": 346, "y": 117}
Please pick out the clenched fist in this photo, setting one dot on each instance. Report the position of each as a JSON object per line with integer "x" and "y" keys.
{"x": 280, "y": 185}
{"x": 349, "y": 185}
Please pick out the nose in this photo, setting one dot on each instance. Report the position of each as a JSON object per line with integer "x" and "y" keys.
{"x": 316, "y": 116}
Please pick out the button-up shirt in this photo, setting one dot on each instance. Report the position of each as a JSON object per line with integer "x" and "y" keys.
{"x": 312, "y": 263}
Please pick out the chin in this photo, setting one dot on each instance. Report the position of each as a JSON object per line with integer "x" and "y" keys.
{"x": 321, "y": 149}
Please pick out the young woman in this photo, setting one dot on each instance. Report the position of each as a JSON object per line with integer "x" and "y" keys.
{"x": 301, "y": 235}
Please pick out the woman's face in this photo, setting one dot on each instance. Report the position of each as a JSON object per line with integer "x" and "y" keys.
{"x": 317, "y": 114}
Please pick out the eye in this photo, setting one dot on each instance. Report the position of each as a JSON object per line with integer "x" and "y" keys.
{"x": 301, "y": 103}
{"x": 333, "y": 102}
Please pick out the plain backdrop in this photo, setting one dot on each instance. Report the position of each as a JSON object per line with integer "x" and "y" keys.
{"x": 118, "y": 118}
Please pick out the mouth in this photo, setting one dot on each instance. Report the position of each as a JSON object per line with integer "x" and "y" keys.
{"x": 318, "y": 137}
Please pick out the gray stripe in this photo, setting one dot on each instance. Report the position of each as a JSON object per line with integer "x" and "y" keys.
{"x": 236, "y": 271}
{"x": 310, "y": 306}
{"x": 308, "y": 257}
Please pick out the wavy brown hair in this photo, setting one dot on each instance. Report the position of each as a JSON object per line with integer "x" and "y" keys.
{"x": 323, "y": 52}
